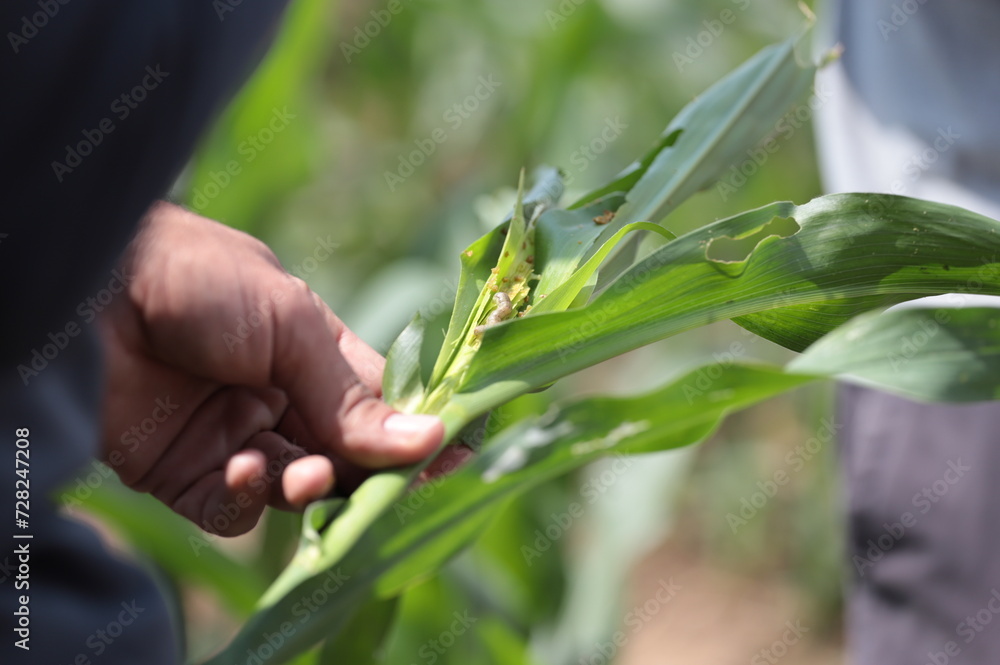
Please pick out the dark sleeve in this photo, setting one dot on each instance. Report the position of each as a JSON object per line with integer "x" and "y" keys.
{"x": 101, "y": 108}
{"x": 102, "y": 103}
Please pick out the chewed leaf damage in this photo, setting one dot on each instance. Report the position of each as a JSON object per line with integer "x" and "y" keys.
{"x": 730, "y": 255}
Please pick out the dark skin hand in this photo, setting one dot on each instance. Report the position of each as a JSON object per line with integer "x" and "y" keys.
{"x": 207, "y": 414}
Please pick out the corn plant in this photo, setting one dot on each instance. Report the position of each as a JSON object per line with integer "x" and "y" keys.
{"x": 556, "y": 288}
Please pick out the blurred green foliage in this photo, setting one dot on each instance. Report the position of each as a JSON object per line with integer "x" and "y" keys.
{"x": 375, "y": 142}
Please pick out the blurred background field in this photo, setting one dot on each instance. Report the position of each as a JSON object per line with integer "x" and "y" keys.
{"x": 374, "y": 143}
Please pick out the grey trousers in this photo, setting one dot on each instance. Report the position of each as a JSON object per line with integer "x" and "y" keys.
{"x": 923, "y": 509}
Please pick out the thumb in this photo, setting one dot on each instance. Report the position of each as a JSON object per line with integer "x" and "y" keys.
{"x": 339, "y": 410}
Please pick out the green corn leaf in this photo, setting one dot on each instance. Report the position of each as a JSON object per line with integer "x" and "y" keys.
{"x": 845, "y": 250}
{"x": 711, "y": 134}
{"x": 754, "y": 262}
{"x": 958, "y": 359}
{"x": 795, "y": 327}
{"x": 567, "y": 293}
{"x": 564, "y": 237}
{"x": 477, "y": 261}
{"x": 317, "y": 517}
{"x": 504, "y": 645}
{"x": 705, "y": 138}
{"x": 790, "y": 273}
{"x": 627, "y": 179}
{"x": 491, "y": 258}
{"x": 362, "y": 641}
{"x": 926, "y": 353}
{"x": 391, "y": 555}
{"x": 176, "y": 545}
{"x": 545, "y": 192}
{"x": 536, "y": 450}
{"x": 402, "y": 386}
{"x": 717, "y": 129}
{"x": 962, "y": 237}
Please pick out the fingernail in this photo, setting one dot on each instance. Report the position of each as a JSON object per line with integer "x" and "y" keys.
{"x": 405, "y": 423}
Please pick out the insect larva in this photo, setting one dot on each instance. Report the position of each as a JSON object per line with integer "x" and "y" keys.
{"x": 604, "y": 217}
{"x": 503, "y": 310}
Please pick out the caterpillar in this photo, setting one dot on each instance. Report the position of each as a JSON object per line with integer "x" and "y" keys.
{"x": 503, "y": 310}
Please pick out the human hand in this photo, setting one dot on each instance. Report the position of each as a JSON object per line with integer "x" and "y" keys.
{"x": 231, "y": 385}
